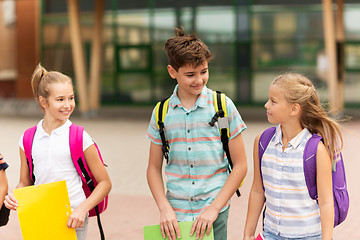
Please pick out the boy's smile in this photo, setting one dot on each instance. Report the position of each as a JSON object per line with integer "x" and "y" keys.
{"x": 191, "y": 79}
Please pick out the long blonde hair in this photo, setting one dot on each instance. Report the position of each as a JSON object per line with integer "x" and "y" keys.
{"x": 299, "y": 89}
{"x": 42, "y": 79}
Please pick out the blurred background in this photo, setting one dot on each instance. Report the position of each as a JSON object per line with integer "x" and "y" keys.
{"x": 253, "y": 41}
{"x": 113, "y": 50}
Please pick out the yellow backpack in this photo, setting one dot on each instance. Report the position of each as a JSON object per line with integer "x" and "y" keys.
{"x": 221, "y": 116}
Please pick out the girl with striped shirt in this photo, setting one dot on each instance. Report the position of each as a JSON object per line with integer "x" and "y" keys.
{"x": 290, "y": 213}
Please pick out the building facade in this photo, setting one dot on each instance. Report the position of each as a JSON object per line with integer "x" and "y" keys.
{"x": 253, "y": 41}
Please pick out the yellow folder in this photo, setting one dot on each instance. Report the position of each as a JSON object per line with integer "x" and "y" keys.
{"x": 44, "y": 211}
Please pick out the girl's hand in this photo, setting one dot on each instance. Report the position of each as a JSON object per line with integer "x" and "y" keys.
{"x": 77, "y": 218}
{"x": 204, "y": 222}
{"x": 11, "y": 202}
{"x": 169, "y": 224}
{"x": 249, "y": 238}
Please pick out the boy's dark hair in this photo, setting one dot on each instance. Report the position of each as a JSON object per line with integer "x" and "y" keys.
{"x": 185, "y": 49}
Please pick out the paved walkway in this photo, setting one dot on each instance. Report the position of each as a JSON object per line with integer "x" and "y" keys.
{"x": 125, "y": 149}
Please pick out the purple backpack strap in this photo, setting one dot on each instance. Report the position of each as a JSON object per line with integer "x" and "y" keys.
{"x": 28, "y": 139}
{"x": 309, "y": 161}
{"x": 264, "y": 142}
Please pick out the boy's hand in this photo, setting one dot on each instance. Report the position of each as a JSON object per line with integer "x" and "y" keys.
{"x": 169, "y": 225}
{"x": 204, "y": 222}
{"x": 11, "y": 202}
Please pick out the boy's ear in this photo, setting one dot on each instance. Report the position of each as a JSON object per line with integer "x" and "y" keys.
{"x": 172, "y": 71}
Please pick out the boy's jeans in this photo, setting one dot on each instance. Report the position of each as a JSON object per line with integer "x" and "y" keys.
{"x": 220, "y": 225}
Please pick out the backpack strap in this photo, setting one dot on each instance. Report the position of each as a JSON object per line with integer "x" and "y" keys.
{"x": 77, "y": 154}
{"x": 221, "y": 116}
{"x": 161, "y": 109}
{"x": 264, "y": 142}
{"x": 28, "y": 139}
{"x": 309, "y": 162}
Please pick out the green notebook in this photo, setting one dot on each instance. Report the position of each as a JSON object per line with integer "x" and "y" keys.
{"x": 153, "y": 232}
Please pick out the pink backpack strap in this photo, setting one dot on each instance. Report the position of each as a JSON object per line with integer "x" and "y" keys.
{"x": 28, "y": 139}
{"x": 88, "y": 180}
{"x": 76, "y": 150}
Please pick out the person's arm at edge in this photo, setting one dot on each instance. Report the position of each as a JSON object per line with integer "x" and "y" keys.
{"x": 3, "y": 186}
{"x": 25, "y": 180}
{"x": 324, "y": 188}
{"x": 256, "y": 198}
{"x": 168, "y": 220}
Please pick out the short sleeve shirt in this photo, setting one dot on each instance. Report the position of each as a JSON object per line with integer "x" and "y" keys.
{"x": 52, "y": 160}
{"x": 197, "y": 168}
{"x": 290, "y": 212}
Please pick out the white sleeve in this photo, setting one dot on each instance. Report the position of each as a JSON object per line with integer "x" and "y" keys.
{"x": 87, "y": 141}
{"x": 21, "y": 142}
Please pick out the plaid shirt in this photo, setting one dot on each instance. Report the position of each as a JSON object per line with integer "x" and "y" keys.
{"x": 197, "y": 168}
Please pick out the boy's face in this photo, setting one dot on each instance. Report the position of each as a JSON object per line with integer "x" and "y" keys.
{"x": 191, "y": 80}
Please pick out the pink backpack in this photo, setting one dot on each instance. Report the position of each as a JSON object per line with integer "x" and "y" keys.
{"x": 77, "y": 155}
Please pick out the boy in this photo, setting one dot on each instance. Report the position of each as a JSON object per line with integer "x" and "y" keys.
{"x": 198, "y": 185}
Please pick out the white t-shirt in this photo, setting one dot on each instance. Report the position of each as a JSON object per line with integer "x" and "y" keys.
{"x": 52, "y": 160}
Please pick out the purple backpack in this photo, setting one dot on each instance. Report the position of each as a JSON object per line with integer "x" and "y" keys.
{"x": 340, "y": 193}
{"x": 77, "y": 155}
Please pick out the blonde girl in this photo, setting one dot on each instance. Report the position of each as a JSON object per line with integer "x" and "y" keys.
{"x": 51, "y": 154}
{"x": 290, "y": 213}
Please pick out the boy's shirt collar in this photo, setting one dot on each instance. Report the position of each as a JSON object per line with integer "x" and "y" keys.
{"x": 202, "y": 100}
